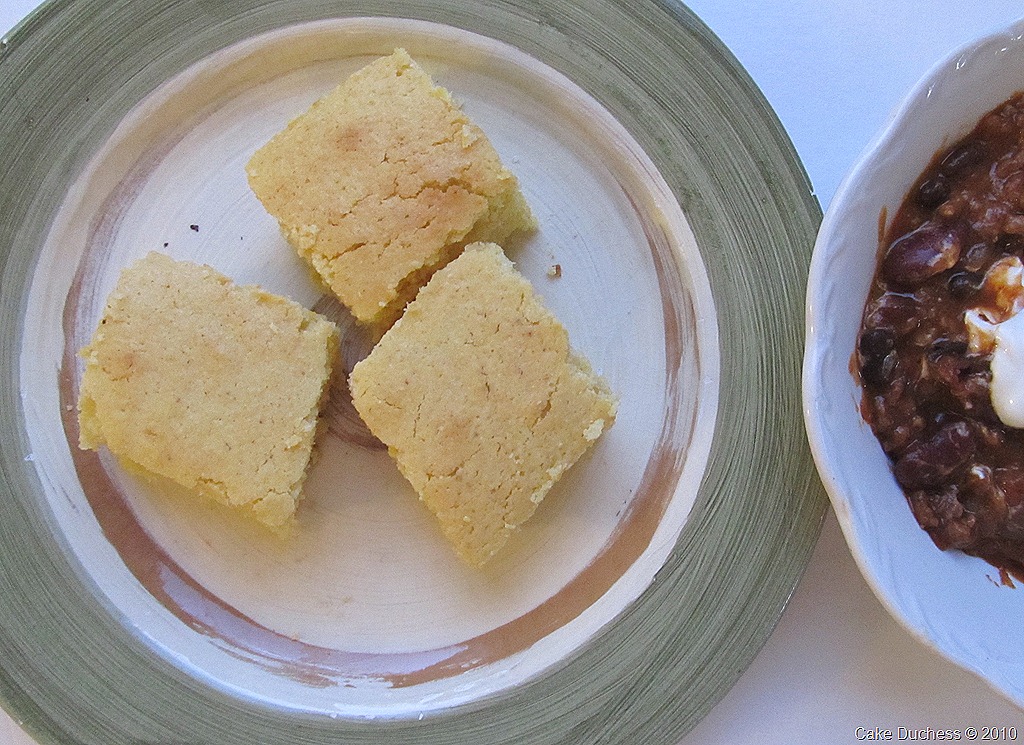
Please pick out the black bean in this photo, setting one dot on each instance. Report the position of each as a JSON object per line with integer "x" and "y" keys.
{"x": 1010, "y": 244}
{"x": 876, "y": 342}
{"x": 977, "y": 364}
{"x": 926, "y": 464}
{"x": 943, "y": 347}
{"x": 933, "y": 191}
{"x": 878, "y": 371}
{"x": 961, "y": 157}
{"x": 922, "y": 253}
{"x": 964, "y": 284}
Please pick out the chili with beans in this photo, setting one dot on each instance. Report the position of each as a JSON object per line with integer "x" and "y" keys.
{"x": 926, "y": 379}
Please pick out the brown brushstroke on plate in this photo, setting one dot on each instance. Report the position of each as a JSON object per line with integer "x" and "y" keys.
{"x": 320, "y": 666}
{"x": 339, "y": 413}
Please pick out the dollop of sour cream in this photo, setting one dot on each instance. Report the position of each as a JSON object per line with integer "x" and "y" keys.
{"x": 1007, "y": 388}
{"x": 1000, "y": 332}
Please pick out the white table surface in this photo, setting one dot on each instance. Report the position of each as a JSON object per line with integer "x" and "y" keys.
{"x": 833, "y": 70}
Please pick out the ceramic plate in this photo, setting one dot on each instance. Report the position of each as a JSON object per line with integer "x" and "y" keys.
{"x": 675, "y": 226}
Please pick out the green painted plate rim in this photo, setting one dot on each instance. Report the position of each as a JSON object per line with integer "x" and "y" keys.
{"x": 70, "y": 672}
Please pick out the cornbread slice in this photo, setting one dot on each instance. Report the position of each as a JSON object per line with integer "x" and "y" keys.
{"x": 480, "y": 400}
{"x": 212, "y": 385}
{"x": 382, "y": 182}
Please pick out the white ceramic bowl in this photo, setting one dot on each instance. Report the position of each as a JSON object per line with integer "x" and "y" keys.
{"x": 952, "y": 602}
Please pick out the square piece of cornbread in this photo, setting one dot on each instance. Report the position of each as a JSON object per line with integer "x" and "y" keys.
{"x": 480, "y": 399}
{"x": 383, "y": 181}
{"x": 212, "y": 385}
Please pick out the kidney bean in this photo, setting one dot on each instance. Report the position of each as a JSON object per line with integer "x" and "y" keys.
{"x": 928, "y": 463}
{"x": 920, "y": 254}
{"x": 924, "y": 337}
{"x": 959, "y": 532}
{"x": 895, "y": 311}
{"x": 921, "y": 506}
{"x": 944, "y": 517}
{"x": 983, "y": 497}
{"x": 989, "y": 437}
{"x": 976, "y": 257}
{"x": 1011, "y": 481}
{"x": 1013, "y": 533}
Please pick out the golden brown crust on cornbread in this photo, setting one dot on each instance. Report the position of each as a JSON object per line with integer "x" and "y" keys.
{"x": 480, "y": 400}
{"x": 381, "y": 182}
{"x": 213, "y": 385}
